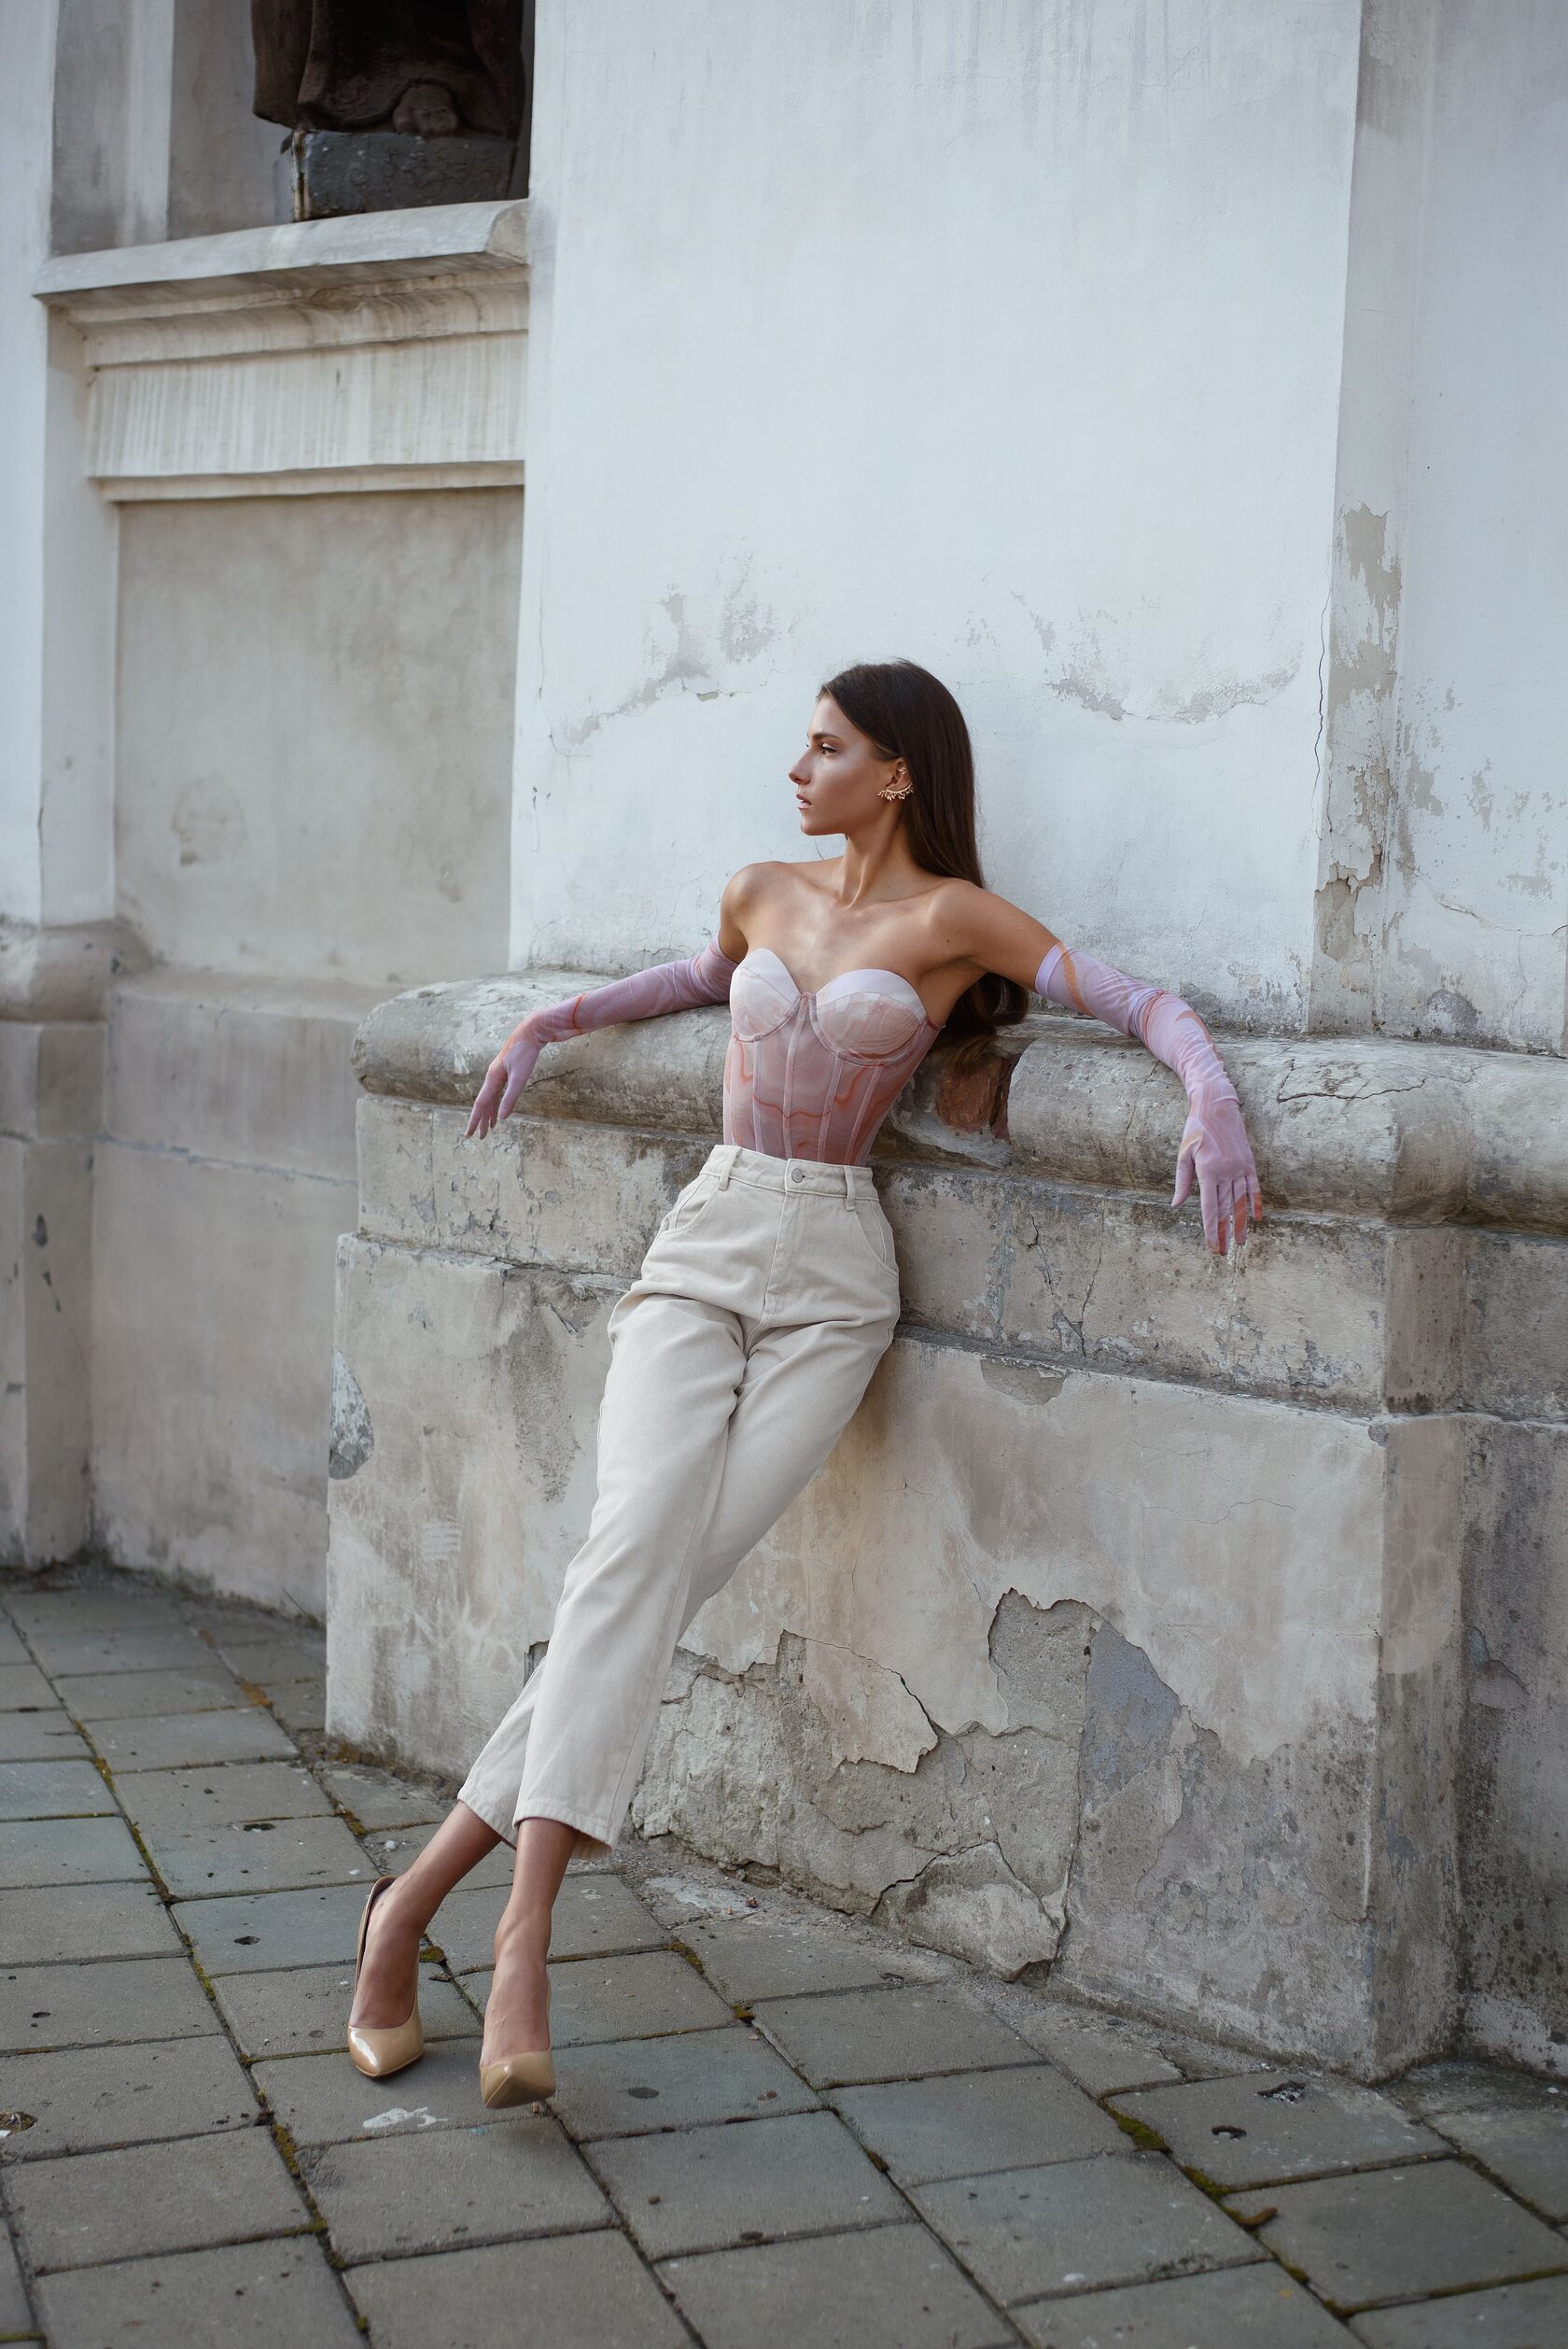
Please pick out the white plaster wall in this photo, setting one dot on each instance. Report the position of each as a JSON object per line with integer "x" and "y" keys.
{"x": 1477, "y": 897}
{"x": 315, "y": 732}
{"x": 1003, "y": 334}
{"x": 220, "y": 154}
{"x": 27, "y": 29}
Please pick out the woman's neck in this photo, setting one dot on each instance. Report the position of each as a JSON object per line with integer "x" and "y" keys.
{"x": 875, "y": 869}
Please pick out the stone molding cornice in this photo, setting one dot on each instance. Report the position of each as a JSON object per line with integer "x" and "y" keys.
{"x": 1370, "y": 1127}
{"x": 49, "y": 974}
{"x": 384, "y": 351}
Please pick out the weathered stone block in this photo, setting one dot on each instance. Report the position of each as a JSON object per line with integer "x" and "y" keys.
{"x": 251, "y": 1070}
{"x": 1122, "y": 1631}
{"x": 211, "y": 1366}
{"x": 496, "y": 1397}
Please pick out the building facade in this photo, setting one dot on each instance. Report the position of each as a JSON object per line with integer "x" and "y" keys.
{"x": 411, "y": 611}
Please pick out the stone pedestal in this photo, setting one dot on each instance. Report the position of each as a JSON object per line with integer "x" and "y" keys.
{"x": 53, "y": 985}
{"x": 322, "y": 174}
{"x": 1126, "y": 1629}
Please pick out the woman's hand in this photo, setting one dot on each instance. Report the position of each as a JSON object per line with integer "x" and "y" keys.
{"x": 1214, "y": 1145}
{"x": 504, "y": 1081}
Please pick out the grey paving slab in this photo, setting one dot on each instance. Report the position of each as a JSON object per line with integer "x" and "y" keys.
{"x": 377, "y": 1799}
{"x": 891, "y": 2287}
{"x": 282, "y": 1655}
{"x": 267, "y": 1856}
{"x": 1512, "y": 2122}
{"x": 1392, "y": 2234}
{"x": 624, "y": 2088}
{"x": 11, "y": 1648}
{"x": 587, "y": 2291}
{"x": 242, "y": 1732}
{"x": 597, "y": 1915}
{"x": 1101, "y": 2052}
{"x": 261, "y": 1932}
{"x": 1258, "y": 2126}
{"x": 1229, "y": 2308}
{"x": 622, "y": 1998}
{"x": 322, "y": 2100}
{"x": 16, "y": 2317}
{"x": 299, "y": 1704}
{"x": 95, "y": 1696}
{"x": 889, "y": 2034}
{"x": 304, "y": 2010}
{"x": 1198, "y": 2058}
{"x": 705, "y": 2189}
{"x": 391, "y": 1849}
{"x": 85, "y": 2097}
{"x": 93, "y": 1607}
{"x": 758, "y": 1957}
{"x": 47, "y": 1735}
{"x": 1508, "y": 2316}
{"x": 22, "y": 1686}
{"x": 961, "y": 2124}
{"x": 52, "y": 1790}
{"x": 239, "y": 1624}
{"x": 98, "y": 2005}
{"x": 1078, "y": 2225}
{"x": 79, "y": 1921}
{"x": 500, "y": 2182}
{"x": 223, "y": 1795}
{"x": 137, "y": 2200}
{"x": 246, "y": 2296}
{"x": 118, "y": 1647}
{"x": 65, "y": 1851}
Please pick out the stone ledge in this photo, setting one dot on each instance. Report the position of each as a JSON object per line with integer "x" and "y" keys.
{"x": 387, "y": 351}
{"x": 1370, "y": 1127}
{"x": 296, "y": 267}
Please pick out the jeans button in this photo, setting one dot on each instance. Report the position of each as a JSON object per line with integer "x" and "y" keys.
{"x": 797, "y": 1175}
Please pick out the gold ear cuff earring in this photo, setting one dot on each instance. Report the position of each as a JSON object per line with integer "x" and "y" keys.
{"x": 893, "y": 792}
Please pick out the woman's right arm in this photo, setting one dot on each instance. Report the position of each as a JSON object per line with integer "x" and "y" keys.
{"x": 703, "y": 977}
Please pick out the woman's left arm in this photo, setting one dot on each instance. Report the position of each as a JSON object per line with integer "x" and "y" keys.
{"x": 1001, "y": 937}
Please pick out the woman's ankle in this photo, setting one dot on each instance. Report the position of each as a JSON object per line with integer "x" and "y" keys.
{"x": 402, "y": 1909}
{"x": 523, "y": 1931}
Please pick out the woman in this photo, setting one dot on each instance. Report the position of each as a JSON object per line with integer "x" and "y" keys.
{"x": 768, "y": 1294}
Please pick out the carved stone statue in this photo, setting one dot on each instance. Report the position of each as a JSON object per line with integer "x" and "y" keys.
{"x": 434, "y": 69}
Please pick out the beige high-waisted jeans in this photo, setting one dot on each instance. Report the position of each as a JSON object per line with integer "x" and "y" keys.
{"x": 766, "y": 1297}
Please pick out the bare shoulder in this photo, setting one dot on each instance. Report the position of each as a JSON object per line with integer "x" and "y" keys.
{"x": 750, "y": 885}
{"x": 748, "y": 891}
{"x": 956, "y": 912}
{"x": 973, "y": 927}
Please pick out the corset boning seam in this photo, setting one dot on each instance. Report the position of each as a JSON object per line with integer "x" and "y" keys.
{"x": 786, "y": 1091}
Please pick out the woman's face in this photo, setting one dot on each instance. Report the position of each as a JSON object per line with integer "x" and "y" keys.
{"x": 840, "y": 773}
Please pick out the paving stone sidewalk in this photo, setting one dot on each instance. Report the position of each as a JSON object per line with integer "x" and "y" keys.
{"x": 774, "y": 2129}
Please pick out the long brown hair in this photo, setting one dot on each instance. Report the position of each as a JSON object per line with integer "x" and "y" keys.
{"x": 908, "y": 713}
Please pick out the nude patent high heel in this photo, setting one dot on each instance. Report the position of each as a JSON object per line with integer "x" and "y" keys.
{"x": 518, "y": 2078}
{"x": 379, "y": 2052}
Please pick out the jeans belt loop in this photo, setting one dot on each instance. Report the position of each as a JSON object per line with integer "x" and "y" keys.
{"x": 726, "y": 1162}
{"x": 851, "y": 1177}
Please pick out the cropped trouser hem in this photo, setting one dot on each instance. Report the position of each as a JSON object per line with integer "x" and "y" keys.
{"x": 737, "y": 1356}
{"x": 591, "y": 1842}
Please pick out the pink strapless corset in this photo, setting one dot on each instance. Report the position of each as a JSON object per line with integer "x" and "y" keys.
{"x": 812, "y": 1076}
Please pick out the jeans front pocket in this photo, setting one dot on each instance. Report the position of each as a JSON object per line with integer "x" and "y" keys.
{"x": 689, "y": 1203}
{"x": 872, "y": 1223}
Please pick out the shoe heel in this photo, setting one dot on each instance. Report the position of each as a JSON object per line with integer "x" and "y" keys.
{"x": 379, "y": 2053}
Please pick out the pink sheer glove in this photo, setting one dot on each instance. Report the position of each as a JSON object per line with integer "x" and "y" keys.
{"x": 702, "y": 978}
{"x": 1214, "y": 1141}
